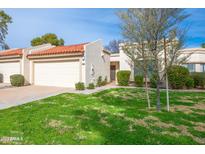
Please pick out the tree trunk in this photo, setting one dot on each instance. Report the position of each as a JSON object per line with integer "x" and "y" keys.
{"x": 147, "y": 91}
{"x": 167, "y": 92}
{"x": 158, "y": 95}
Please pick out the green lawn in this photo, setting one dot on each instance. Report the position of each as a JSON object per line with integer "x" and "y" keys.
{"x": 117, "y": 116}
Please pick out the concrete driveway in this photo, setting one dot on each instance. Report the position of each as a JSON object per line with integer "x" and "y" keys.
{"x": 4, "y": 85}
{"x": 13, "y": 96}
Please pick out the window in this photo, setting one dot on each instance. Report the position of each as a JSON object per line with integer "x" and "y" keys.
{"x": 203, "y": 67}
{"x": 139, "y": 71}
{"x": 191, "y": 67}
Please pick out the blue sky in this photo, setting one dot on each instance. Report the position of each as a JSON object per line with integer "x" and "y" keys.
{"x": 83, "y": 25}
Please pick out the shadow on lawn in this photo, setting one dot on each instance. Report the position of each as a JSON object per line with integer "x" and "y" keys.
{"x": 114, "y": 126}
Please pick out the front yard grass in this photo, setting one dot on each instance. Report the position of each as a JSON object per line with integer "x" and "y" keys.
{"x": 115, "y": 116}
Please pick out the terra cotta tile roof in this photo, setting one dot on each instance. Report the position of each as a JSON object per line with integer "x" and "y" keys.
{"x": 77, "y": 48}
{"x": 11, "y": 52}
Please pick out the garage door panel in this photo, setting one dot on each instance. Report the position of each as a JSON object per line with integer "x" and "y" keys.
{"x": 62, "y": 74}
{"x": 9, "y": 68}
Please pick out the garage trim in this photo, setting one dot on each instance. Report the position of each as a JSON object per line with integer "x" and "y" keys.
{"x": 13, "y": 61}
{"x": 66, "y": 59}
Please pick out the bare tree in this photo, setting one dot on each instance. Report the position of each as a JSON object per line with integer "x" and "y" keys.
{"x": 5, "y": 46}
{"x": 134, "y": 30}
{"x": 137, "y": 53}
{"x": 151, "y": 26}
{"x": 113, "y": 46}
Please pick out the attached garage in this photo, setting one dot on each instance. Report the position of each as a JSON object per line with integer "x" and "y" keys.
{"x": 57, "y": 73}
{"x": 59, "y": 66}
{"x": 9, "y": 68}
{"x": 64, "y": 66}
{"x": 10, "y": 63}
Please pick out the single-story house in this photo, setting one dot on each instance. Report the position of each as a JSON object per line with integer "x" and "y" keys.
{"x": 61, "y": 66}
{"x": 120, "y": 61}
{"x": 11, "y": 62}
{"x": 196, "y": 61}
{"x": 14, "y": 61}
{"x": 64, "y": 66}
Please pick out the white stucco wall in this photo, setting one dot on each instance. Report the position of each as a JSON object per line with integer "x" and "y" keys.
{"x": 95, "y": 57}
{"x": 26, "y": 62}
{"x": 196, "y": 57}
{"x": 25, "y": 66}
{"x": 126, "y": 64}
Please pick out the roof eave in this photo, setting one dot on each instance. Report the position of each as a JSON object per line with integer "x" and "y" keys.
{"x": 55, "y": 55}
{"x": 10, "y": 56}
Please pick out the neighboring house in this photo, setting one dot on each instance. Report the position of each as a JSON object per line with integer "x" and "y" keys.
{"x": 64, "y": 66}
{"x": 61, "y": 66}
{"x": 120, "y": 61}
{"x": 196, "y": 62}
{"x": 14, "y": 61}
{"x": 11, "y": 62}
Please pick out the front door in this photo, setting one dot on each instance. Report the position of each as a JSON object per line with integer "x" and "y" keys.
{"x": 112, "y": 72}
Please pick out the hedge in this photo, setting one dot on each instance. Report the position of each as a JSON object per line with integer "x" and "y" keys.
{"x": 123, "y": 77}
{"x": 139, "y": 80}
{"x": 177, "y": 76}
{"x": 199, "y": 79}
{"x": 189, "y": 83}
{"x": 153, "y": 81}
{"x": 17, "y": 80}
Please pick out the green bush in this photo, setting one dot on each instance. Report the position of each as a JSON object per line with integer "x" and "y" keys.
{"x": 104, "y": 82}
{"x": 199, "y": 79}
{"x": 123, "y": 77}
{"x": 99, "y": 81}
{"x": 1, "y": 78}
{"x": 91, "y": 86}
{"x": 17, "y": 80}
{"x": 189, "y": 83}
{"x": 177, "y": 76}
{"x": 80, "y": 86}
{"x": 153, "y": 81}
{"x": 139, "y": 80}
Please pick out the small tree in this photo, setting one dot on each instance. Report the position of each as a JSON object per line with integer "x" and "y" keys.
{"x": 152, "y": 26}
{"x": 134, "y": 30}
{"x": 47, "y": 38}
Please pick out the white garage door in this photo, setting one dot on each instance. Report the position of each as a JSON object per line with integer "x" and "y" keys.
{"x": 8, "y": 69}
{"x": 60, "y": 74}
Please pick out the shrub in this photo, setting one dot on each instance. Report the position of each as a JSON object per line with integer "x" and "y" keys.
{"x": 17, "y": 80}
{"x": 199, "y": 79}
{"x": 139, "y": 80}
{"x": 99, "y": 81}
{"x": 153, "y": 81}
{"x": 80, "y": 86}
{"x": 91, "y": 86}
{"x": 1, "y": 78}
{"x": 123, "y": 77}
{"x": 177, "y": 76}
{"x": 104, "y": 82}
{"x": 189, "y": 83}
